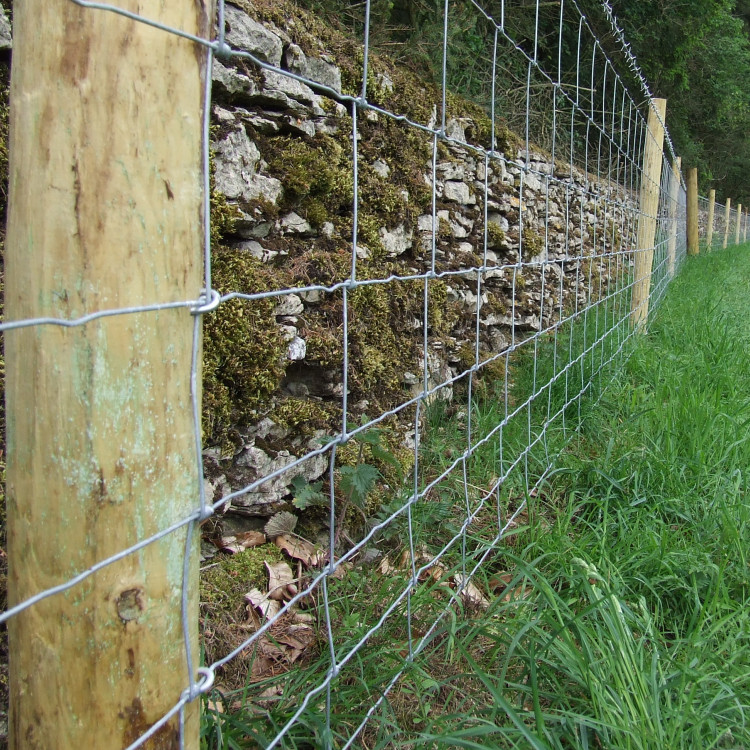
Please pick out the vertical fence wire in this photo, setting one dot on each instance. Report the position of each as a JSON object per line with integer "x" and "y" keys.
{"x": 553, "y": 284}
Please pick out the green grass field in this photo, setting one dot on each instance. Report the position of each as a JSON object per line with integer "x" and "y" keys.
{"x": 618, "y": 614}
{"x": 635, "y": 630}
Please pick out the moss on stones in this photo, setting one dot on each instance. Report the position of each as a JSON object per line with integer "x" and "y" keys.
{"x": 325, "y": 347}
{"x": 305, "y": 416}
{"x": 244, "y": 353}
{"x": 495, "y": 237}
{"x": 316, "y": 174}
{"x": 533, "y": 242}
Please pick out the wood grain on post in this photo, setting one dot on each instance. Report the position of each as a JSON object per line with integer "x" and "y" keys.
{"x": 710, "y": 227}
{"x": 737, "y": 227}
{"x": 105, "y": 211}
{"x": 674, "y": 191}
{"x": 649, "y": 207}
{"x": 692, "y": 211}
{"x": 727, "y": 215}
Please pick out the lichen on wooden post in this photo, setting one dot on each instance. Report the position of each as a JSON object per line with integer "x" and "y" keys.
{"x": 710, "y": 226}
{"x": 692, "y": 212}
{"x": 106, "y": 125}
{"x": 649, "y": 207}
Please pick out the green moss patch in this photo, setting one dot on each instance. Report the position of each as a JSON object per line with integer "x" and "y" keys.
{"x": 244, "y": 353}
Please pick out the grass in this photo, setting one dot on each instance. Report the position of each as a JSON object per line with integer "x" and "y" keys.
{"x": 618, "y": 601}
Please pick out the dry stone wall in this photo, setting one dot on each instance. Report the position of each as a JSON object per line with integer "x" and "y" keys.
{"x": 545, "y": 240}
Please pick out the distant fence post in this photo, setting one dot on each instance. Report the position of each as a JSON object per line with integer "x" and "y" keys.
{"x": 649, "y": 207}
{"x": 105, "y": 211}
{"x": 674, "y": 191}
{"x": 692, "y": 211}
{"x": 744, "y": 234}
{"x": 727, "y": 215}
{"x": 737, "y": 224}
{"x": 710, "y": 228}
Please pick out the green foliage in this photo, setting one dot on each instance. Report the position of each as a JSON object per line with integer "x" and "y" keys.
{"x": 358, "y": 475}
{"x": 357, "y": 481}
{"x": 307, "y": 493}
{"x": 357, "y": 478}
{"x": 244, "y": 351}
{"x": 696, "y": 54}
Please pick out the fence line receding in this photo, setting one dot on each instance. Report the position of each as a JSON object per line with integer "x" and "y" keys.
{"x": 550, "y": 273}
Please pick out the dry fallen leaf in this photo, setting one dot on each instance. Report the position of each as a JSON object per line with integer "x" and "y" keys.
{"x": 502, "y": 582}
{"x": 282, "y": 523}
{"x": 270, "y": 692}
{"x": 470, "y": 593}
{"x": 341, "y": 570}
{"x": 421, "y": 556}
{"x": 386, "y": 567}
{"x": 304, "y": 618}
{"x": 299, "y": 549}
{"x": 244, "y": 540}
{"x": 217, "y": 706}
{"x": 297, "y": 639}
{"x": 281, "y": 581}
{"x": 258, "y": 601}
{"x": 436, "y": 572}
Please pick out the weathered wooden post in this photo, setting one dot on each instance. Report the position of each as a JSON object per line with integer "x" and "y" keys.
{"x": 649, "y": 207}
{"x": 737, "y": 226}
{"x": 727, "y": 215}
{"x": 692, "y": 211}
{"x": 105, "y": 211}
{"x": 674, "y": 191}
{"x": 744, "y": 234}
{"x": 711, "y": 211}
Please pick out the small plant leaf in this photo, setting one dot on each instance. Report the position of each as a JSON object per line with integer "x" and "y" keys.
{"x": 307, "y": 493}
{"x": 372, "y": 437}
{"x": 357, "y": 481}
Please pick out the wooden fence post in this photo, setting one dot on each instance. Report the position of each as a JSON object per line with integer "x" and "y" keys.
{"x": 744, "y": 234}
{"x": 727, "y": 215}
{"x": 710, "y": 228}
{"x": 692, "y": 211}
{"x": 737, "y": 225}
{"x": 674, "y": 191}
{"x": 105, "y": 211}
{"x": 649, "y": 207}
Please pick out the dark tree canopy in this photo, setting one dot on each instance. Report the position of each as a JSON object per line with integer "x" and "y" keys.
{"x": 694, "y": 53}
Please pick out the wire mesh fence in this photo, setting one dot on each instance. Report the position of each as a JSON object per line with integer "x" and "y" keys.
{"x": 721, "y": 225}
{"x": 515, "y": 276}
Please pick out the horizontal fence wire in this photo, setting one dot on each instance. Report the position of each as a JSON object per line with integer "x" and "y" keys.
{"x": 561, "y": 289}
{"x": 721, "y": 225}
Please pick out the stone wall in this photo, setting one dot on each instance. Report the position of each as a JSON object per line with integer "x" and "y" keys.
{"x": 543, "y": 237}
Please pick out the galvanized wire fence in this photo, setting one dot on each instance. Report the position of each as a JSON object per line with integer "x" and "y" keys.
{"x": 544, "y": 295}
{"x": 720, "y": 225}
